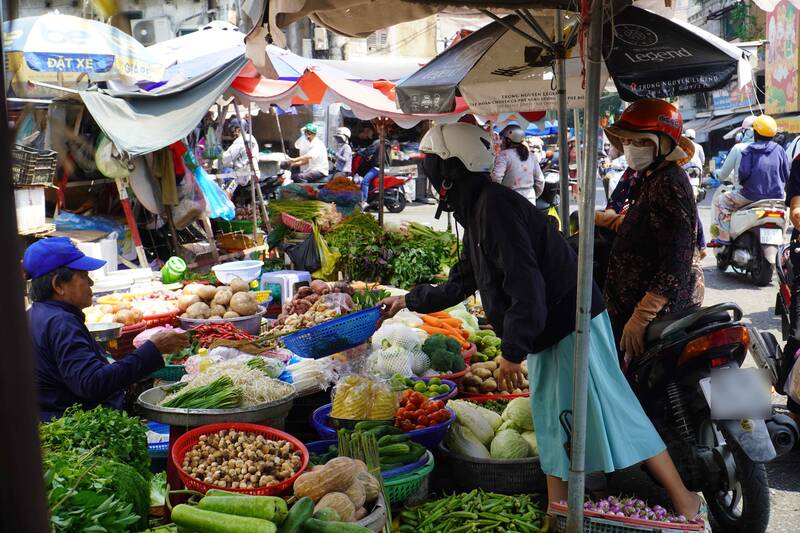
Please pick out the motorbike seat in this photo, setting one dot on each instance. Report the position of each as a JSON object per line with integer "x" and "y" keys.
{"x": 658, "y": 326}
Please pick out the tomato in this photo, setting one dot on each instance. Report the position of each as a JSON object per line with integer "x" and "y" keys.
{"x": 418, "y": 398}
{"x": 405, "y": 425}
{"x": 401, "y": 413}
{"x": 418, "y": 413}
{"x": 444, "y": 414}
{"x": 419, "y": 427}
{"x": 438, "y": 404}
{"x": 423, "y": 421}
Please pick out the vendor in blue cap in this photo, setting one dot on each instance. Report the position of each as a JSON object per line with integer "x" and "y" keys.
{"x": 71, "y": 367}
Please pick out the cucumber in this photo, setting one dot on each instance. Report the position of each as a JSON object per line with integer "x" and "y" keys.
{"x": 318, "y": 526}
{"x": 220, "y": 492}
{"x": 201, "y": 521}
{"x": 393, "y": 449}
{"x": 384, "y": 430}
{"x": 393, "y": 439}
{"x": 417, "y": 450}
{"x": 298, "y": 514}
{"x": 265, "y": 507}
{"x": 370, "y": 424}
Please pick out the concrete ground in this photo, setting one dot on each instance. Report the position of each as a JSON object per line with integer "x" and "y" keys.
{"x": 758, "y": 306}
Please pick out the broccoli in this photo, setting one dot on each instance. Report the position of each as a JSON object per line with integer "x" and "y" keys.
{"x": 445, "y": 353}
{"x": 453, "y": 345}
{"x": 435, "y": 342}
{"x": 441, "y": 360}
{"x": 458, "y": 363}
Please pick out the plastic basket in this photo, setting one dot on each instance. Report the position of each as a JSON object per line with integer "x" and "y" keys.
{"x": 296, "y": 224}
{"x": 169, "y": 373}
{"x": 335, "y": 335}
{"x": 158, "y": 450}
{"x": 429, "y": 437}
{"x": 471, "y": 396}
{"x": 190, "y": 438}
{"x": 32, "y": 167}
{"x": 401, "y": 488}
{"x": 164, "y": 319}
{"x": 446, "y": 396}
{"x": 504, "y": 476}
{"x": 119, "y": 348}
{"x": 321, "y": 446}
{"x": 600, "y": 523}
{"x": 456, "y": 378}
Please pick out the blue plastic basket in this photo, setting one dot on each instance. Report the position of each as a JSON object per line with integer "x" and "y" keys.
{"x": 446, "y": 396}
{"x": 429, "y": 437}
{"x": 335, "y": 335}
{"x": 321, "y": 446}
{"x": 158, "y": 450}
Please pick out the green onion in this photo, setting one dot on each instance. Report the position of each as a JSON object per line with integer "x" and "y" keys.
{"x": 219, "y": 394}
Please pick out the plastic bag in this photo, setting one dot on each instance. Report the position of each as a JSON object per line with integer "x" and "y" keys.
{"x": 328, "y": 258}
{"x": 305, "y": 256}
{"x": 144, "y": 336}
{"x": 358, "y": 397}
{"x": 218, "y": 204}
{"x": 212, "y": 150}
{"x": 109, "y": 162}
{"x": 191, "y": 205}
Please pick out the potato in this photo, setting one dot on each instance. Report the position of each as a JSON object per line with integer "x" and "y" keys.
{"x": 185, "y": 300}
{"x": 215, "y": 317}
{"x": 126, "y": 317}
{"x": 319, "y": 286}
{"x": 192, "y": 288}
{"x": 238, "y": 285}
{"x": 223, "y": 296}
{"x": 483, "y": 373}
{"x": 244, "y": 303}
{"x": 230, "y": 314}
{"x": 472, "y": 390}
{"x": 471, "y": 380}
{"x": 490, "y": 385}
{"x": 207, "y": 292}
{"x": 217, "y": 310}
{"x": 199, "y": 310}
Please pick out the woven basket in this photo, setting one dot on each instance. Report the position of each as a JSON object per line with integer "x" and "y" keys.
{"x": 599, "y": 523}
{"x": 506, "y": 476}
{"x": 375, "y": 520}
{"x": 410, "y": 488}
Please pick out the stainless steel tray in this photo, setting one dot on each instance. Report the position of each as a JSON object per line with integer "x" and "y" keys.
{"x": 105, "y": 331}
{"x": 272, "y": 414}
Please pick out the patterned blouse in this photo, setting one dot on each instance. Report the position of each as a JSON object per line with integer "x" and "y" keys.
{"x": 656, "y": 247}
{"x": 514, "y": 173}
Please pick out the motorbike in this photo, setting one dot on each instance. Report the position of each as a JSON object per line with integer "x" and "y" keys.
{"x": 783, "y": 300}
{"x": 269, "y": 186}
{"x": 550, "y": 199}
{"x": 757, "y": 231}
{"x": 722, "y": 457}
{"x": 695, "y": 174}
{"x": 394, "y": 194}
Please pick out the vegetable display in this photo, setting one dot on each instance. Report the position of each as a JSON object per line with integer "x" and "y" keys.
{"x": 361, "y": 398}
{"x": 443, "y": 324}
{"x": 206, "y": 334}
{"x": 476, "y": 511}
{"x": 219, "y": 394}
{"x": 444, "y": 353}
{"x": 418, "y": 412}
{"x": 488, "y": 344}
{"x": 210, "y": 302}
{"x": 429, "y": 389}
{"x": 483, "y": 378}
{"x": 397, "y": 349}
{"x": 482, "y": 433}
{"x": 632, "y": 508}
{"x": 241, "y": 459}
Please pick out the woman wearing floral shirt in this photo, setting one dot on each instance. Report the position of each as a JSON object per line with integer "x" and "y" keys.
{"x": 515, "y": 166}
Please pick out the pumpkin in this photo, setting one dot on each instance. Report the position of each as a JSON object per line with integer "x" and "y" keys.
{"x": 356, "y": 493}
{"x": 336, "y": 476}
{"x": 372, "y": 487}
{"x": 340, "y": 503}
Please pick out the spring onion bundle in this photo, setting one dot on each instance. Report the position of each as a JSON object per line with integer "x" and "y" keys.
{"x": 219, "y": 394}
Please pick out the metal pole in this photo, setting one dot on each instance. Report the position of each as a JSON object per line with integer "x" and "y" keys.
{"x": 580, "y": 380}
{"x": 261, "y": 203}
{"x": 381, "y": 167}
{"x": 280, "y": 131}
{"x": 563, "y": 149}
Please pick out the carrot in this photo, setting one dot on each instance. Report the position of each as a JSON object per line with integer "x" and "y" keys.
{"x": 433, "y": 330}
{"x": 440, "y": 314}
{"x": 432, "y": 321}
{"x": 455, "y": 322}
{"x": 452, "y": 332}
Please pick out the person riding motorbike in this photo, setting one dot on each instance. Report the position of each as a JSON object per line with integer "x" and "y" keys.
{"x": 763, "y": 172}
{"x": 730, "y": 168}
{"x": 527, "y": 277}
{"x": 699, "y": 158}
{"x": 343, "y": 156}
{"x": 514, "y": 167}
{"x": 650, "y": 270}
{"x": 313, "y": 159}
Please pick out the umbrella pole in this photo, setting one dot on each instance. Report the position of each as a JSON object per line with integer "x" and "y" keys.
{"x": 261, "y": 203}
{"x": 135, "y": 237}
{"x": 274, "y": 109}
{"x": 576, "y": 118}
{"x": 381, "y": 167}
{"x": 583, "y": 318}
{"x": 563, "y": 167}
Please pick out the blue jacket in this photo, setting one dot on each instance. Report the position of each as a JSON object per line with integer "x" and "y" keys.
{"x": 71, "y": 367}
{"x": 763, "y": 171}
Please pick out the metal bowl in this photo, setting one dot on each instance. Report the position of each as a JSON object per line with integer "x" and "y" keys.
{"x": 272, "y": 414}
{"x": 105, "y": 331}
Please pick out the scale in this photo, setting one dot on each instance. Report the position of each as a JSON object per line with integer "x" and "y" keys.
{"x": 103, "y": 332}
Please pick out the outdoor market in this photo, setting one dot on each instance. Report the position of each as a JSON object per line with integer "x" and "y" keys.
{"x": 272, "y": 287}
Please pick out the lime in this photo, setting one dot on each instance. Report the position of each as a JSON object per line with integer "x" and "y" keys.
{"x": 434, "y": 381}
{"x": 420, "y": 387}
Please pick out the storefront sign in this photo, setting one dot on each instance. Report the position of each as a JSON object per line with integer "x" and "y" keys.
{"x": 732, "y": 97}
{"x": 783, "y": 26}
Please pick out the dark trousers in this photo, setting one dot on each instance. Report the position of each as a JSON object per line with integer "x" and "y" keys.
{"x": 793, "y": 344}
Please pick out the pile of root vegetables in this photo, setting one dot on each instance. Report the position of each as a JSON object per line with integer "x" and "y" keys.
{"x": 200, "y": 301}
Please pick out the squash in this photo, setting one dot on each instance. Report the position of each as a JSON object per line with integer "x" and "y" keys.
{"x": 361, "y": 512}
{"x": 337, "y": 475}
{"x": 356, "y": 493}
{"x": 340, "y": 503}
{"x": 360, "y": 466}
{"x": 372, "y": 487}
{"x": 244, "y": 303}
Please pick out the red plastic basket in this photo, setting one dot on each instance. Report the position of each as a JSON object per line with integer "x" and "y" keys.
{"x": 190, "y": 438}
{"x": 122, "y": 346}
{"x": 594, "y": 522}
{"x": 164, "y": 319}
{"x": 296, "y": 224}
{"x": 480, "y": 398}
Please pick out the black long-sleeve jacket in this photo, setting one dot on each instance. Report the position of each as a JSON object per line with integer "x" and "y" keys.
{"x": 524, "y": 269}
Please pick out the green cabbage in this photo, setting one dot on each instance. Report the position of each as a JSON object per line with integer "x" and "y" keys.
{"x": 530, "y": 437}
{"x": 471, "y": 418}
{"x": 470, "y": 323}
{"x": 494, "y": 419}
{"x": 509, "y": 424}
{"x": 508, "y": 444}
{"x": 462, "y": 441}
{"x": 520, "y": 412}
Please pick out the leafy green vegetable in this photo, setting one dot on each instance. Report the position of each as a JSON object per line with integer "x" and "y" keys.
{"x": 158, "y": 489}
{"x": 113, "y": 433}
{"x": 508, "y": 444}
{"x": 520, "y": 413}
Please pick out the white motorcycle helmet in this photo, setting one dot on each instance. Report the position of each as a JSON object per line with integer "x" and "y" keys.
{"x": 513, "y": 133}
{"x": 466, "y": 142}
{"x": 690, "y": 134}
{"x": 343, "y": 132}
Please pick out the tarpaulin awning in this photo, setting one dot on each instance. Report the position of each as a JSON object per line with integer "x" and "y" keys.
{"x": 140, "y": 124}
{"x": 322, "y": 88}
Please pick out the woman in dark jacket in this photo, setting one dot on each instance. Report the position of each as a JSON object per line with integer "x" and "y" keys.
{"x": 650, "y": 270}
{"x": 527, "y": 277}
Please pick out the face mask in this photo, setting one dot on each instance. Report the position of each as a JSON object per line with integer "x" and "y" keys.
{"x": 638, "y": 157}
{"x": 738, "y": 137}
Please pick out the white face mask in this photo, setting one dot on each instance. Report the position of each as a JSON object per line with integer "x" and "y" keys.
{"x": 638, "y": 157}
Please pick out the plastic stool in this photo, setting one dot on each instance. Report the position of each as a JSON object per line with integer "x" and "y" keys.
{"x": 287, "y": 280}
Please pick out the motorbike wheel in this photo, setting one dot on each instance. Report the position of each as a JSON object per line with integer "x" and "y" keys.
{"x": 722, "y": 262}
{"x": 745, "y": 507}
{"x": 398, "y": 206}
{"x": 761, "y": 274}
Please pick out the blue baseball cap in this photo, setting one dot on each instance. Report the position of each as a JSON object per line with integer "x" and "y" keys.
{"x": 43, "y": 257}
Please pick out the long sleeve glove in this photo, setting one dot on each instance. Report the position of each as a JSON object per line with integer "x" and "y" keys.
{"x": 633, "y": 335}
{"x": 608, "y": 219}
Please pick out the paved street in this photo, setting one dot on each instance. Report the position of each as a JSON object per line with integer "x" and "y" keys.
{"x": 758, "y": 306}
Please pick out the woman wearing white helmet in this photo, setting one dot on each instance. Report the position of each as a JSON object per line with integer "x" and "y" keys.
{"x": 526, "y": 273}
{"x": 515, "y": 167}
{"x": 344, "y": 153}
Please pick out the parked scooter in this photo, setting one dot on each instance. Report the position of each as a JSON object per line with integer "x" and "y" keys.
{"x": 269, "y": 186}
{"x": 723, "y": 458}
{"x": 757, "y": 231}
{"x": 394, "y": 194}
{"x": 783, "y": 300}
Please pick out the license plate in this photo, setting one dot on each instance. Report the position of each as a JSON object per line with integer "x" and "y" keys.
{"x": 736, "y": 393}
{"x": 771, "y": 236}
